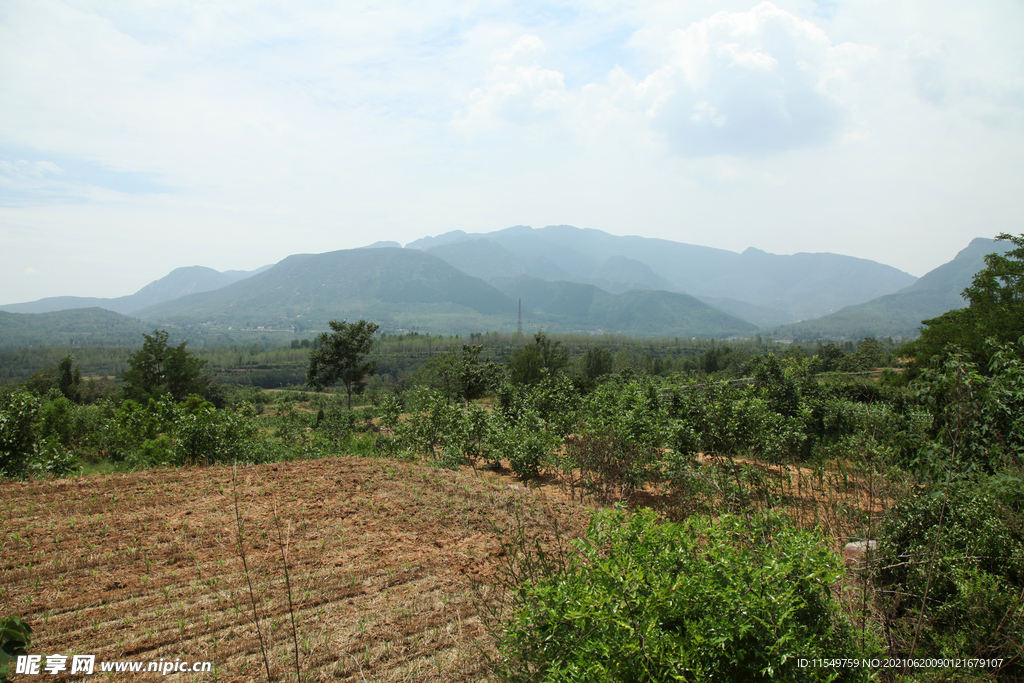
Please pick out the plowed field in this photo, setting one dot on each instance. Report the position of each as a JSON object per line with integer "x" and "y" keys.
{"x": 387, "y": 563}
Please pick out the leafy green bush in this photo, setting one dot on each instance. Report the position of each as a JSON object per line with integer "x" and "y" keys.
{"x": 15, "y": 636}
{"x": 609, "y": 468}
{"x": 971, "y": 569}
{"x": 434, "y": 425}
{"x": 631, "y": 412}
{"x": 525, "y": 444}
{"x": 188, "y": 433}
{"x": 557, "y": 401}
{"x": 203, "y": 434}
{"x": 726, "y": 599}
{"x": 706, "y": 411}
{"x": 336, "y": 424}
{"x": 133, "y": 424}
{"x": 978, "y": 419}
{"x": 18, "y": 412}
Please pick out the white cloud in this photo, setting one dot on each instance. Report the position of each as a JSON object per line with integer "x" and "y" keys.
{"x": 22, "y": 168}
{"x": 259, "y": 129}
{"x": 738, "y": 83}
{"x": 746, "y": 83}
{"x": 516, "y": 90}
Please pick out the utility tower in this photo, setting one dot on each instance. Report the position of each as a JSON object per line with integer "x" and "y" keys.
{"x": 519, "y": 325}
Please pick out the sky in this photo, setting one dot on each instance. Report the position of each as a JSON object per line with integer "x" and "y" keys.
{"x": 137, "y": 137}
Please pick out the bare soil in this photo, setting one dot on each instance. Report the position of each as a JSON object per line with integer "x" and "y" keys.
{"x": 388, "y": 564}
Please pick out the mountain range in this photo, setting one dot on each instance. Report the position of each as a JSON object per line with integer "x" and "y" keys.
{"x": 179, "y": 282}
{"x": 900, "y": 314}
{"x": 561, "y": 278}
{"x": 408, "y": 289}
{"x": 780, "y": 288}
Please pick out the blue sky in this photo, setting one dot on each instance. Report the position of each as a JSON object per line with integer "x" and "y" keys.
{"x": 138, "y": 137}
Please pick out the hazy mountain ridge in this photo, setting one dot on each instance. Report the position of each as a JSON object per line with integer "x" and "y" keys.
{"x": 460, "y": 282}
{"x": 571, "y": 306}
{"x": 412, "y": 289}
{"x": 901, "y": 314}
{"x": 801, "y": 285}
{"x": 384, "y": 284}
{"x": 179, "y": 282}
{"x": 76, "y": 327}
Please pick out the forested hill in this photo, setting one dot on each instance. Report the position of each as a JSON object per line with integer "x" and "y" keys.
{"x": 901, "y": 314}
{"x": 638, "y": 313}
{"x": 407, "y": 289}
{"x": 569, "y": 280}
{"x": 79, "y": 327}
{"x": 400, "y": 288}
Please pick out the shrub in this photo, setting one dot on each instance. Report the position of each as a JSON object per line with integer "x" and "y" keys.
{"x": 203, "y": 434}
{"x": 188, "y": 433}
{"x": 972, "y": 571}
{"x": 557, "y": 402}
{"x": 15, "y": 636}
{"x": 526, "y": 444}
{"x": 134, "y": 424}
{"x": 632, "y": 412}
{"x": 435, "y": 426}
{"x": 336, "y": 424}
{"x": 724, "y": 599}
{"x": 609, "y": 468}
{"x": 18, "y": 412}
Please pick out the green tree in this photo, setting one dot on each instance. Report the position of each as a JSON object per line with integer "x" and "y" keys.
{"x": 829, "y": 358}
{"x": 69, "y": 380}
{"x": 597, "y": 362}
{"x": 868, "y": 356}
{"x": 158, "y": 369}
{"x": 65, "y": 377}
{"x": 461, "y": 374}
{"x": 340, "y": 357}
{"x": 533, "y": 362}
{"x": 18, "y": 413}
{"x": 995, "y": 312}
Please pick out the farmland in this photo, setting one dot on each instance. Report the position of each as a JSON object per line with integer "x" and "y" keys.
{"x": 388, "y": 562}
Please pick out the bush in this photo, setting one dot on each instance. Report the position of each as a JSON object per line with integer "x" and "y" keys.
{"x": 134, "y": 424}
{"x": 974, "y": 585}
{"x": 435, "y": 425}
{"x": 15, "y": 636}
{"x": 189, "y": 433}
{"x": 609, "y": 468}
{"x": 632, "y": 412}
{"x": 724, "y": 599}
{"x": 525, "y": 444}
{"x": 18, "y": 412}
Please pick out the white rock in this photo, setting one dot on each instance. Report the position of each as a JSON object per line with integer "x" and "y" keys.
{"x": 854, "y": 552}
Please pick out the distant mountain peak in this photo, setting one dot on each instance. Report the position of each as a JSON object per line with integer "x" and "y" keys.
{"x": 383, "y": 245}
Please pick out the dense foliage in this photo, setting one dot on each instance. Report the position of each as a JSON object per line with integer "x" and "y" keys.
{"x": 15, "y": 637}
{"x": 961, "y": 554}
{"x": 731, "y": 599}
{"x": 994, "y": 316}
{"x": 158, "y": 369}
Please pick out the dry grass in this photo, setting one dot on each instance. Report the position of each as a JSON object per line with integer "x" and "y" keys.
{"x": 387, "y": 562}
